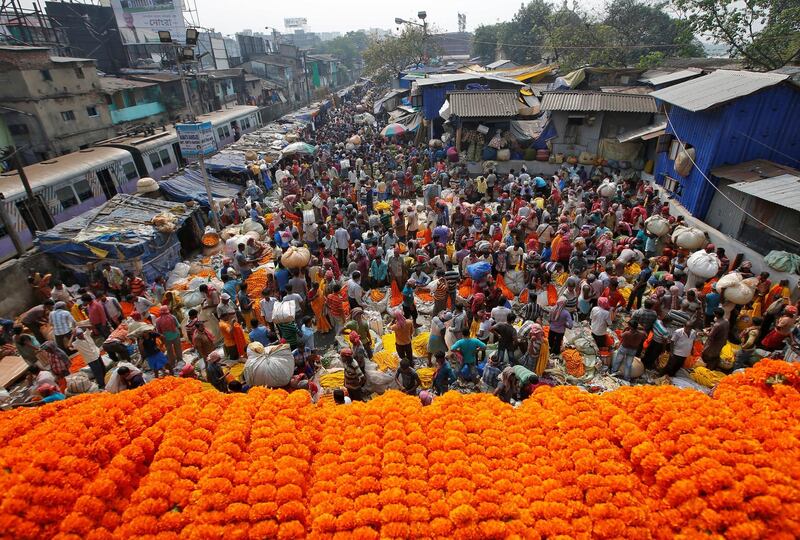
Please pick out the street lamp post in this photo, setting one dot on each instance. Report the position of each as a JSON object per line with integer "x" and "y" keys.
{"x": 187, "y": 53}
{"x": 422, "y": 15}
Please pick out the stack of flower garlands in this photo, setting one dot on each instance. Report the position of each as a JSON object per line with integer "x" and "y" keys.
{"x": 171, "y": 460}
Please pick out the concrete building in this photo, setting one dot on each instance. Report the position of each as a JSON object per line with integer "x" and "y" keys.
{"x": 133, "y": 102}
{"x": 52, "y": 105}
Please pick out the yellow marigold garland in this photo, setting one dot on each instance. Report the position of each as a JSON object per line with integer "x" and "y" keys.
{"x": 171, "y": 460}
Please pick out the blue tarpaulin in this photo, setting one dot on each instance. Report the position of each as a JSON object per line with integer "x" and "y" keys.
{"x": 226, "y": 162}
{"x": 119, "y": 232}
{"x": 188, "y": 186}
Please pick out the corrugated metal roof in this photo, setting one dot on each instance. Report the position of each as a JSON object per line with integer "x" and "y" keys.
{"x": 782, "y": 190}
{"x": 501, "y": 63}
{"x": 448, "y": 78}
{"x": 754, "y": 170}
{"x": 115, "y": 84}
{"x": 597, "y": 101}
{"x": 490, "y": 103}
{"x": 717, "y": 88}
{"x": 645, "y": 133}
{"x": 665, "y": 78}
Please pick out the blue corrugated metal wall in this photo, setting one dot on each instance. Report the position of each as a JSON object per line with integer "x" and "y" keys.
{"x": 433, "y": 98}
{"x": 759, "y": 126}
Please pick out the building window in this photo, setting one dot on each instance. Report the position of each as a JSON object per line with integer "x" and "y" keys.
{"x": 84, "y": 190}
{"x": 164, "y": 155}
{"x": 79, "y": 73}
{"x": 92, "y": 111}
{"x": 155, "y": 161}
{"x": 674, "y": 148}
{"x": 18, "y": 129}
{"x": 672, "y": 185}
{"x": 67, "y": 116}
{"x": 66, "y": 197}
{"x": 46, "y": 75}
{"x": 129, "y": 169}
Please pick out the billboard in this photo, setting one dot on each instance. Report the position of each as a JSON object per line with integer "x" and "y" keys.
{"x": 140, "y": 20}
{"x": 295, "y": 22}
{"x": 196, "y": 139}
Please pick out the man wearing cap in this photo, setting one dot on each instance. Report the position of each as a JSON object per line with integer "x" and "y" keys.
{"x": 226, "y": 310}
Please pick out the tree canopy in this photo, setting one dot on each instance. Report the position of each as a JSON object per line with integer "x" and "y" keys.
{"x": 763, "y": 33}
{"x": 385, "y": 58}
{"x": 626, "y": 32}
{"x": 347, "y": 48}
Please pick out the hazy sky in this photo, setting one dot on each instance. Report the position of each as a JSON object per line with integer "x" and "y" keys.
{"x": 229, "y": 16}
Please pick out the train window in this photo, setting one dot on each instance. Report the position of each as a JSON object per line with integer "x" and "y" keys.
{"x": 3, "y": 232}
{"x": 129, "y": 169}
{"x": 220, "y": 133}
{"x": 66, "y": 197}
{"x": 84, "y": 190}
{"x": 155, "y": 161}
{"x": 164, "y": 155}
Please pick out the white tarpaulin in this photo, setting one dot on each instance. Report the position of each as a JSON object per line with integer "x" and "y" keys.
{"x": 526, "y": 130}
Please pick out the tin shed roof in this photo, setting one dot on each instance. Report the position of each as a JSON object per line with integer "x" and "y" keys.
{"x": 783, "y": 190}
{"x": 477, "y": 104}
{"x": 717, "y": 88}
{"x": 578, "y": 101}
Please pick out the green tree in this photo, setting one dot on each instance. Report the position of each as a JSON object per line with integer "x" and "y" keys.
{"x": 637, "y": 23}
{"x": 485, "y": 39}
{"x": 763, "y": 33}
{"x": 385, "y": 58}
{"x": 347, "y": 48}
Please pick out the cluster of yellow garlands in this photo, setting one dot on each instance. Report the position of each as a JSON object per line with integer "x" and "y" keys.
{"x": 171, "y": 460}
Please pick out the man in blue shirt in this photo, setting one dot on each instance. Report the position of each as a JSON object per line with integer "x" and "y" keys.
{"x": 230, "y": 285}
{"x": 469, "y": 349}
{"x": 259, "y": 333}
{"x": 281, "y": 277}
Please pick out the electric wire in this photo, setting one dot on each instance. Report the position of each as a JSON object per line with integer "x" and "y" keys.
{"x": 675, "y": 133}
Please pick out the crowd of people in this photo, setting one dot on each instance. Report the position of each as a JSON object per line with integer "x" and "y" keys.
{"x": 392, "y": 218}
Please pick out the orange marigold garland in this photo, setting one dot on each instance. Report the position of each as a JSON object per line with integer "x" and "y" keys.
{"x": 171, "y": 460}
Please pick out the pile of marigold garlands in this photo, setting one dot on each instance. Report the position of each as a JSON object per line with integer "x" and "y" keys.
{"x": 172, "y": 460}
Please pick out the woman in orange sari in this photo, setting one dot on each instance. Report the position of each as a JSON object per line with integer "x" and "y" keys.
{"x": 318, "y": 307}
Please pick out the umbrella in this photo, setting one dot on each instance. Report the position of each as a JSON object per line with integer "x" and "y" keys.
{"x": 393, "y": 129}
{"x": 299, "y": 148}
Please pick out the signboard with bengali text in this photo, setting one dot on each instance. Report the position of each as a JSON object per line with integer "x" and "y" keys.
{"x": 140, "y": 20}
{"x": 196, "y": 139}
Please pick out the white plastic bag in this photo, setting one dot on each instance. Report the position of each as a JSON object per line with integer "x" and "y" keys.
{"x": 688, "y": 237}
{"x": 192, "y": 299}
{"x": 702, "y": 264}
{"x": 657, "y": 225}
{"x": 273, "y": 369}
{"x": 283, "y": 311}
{"x": 377, "y": 381}
{"x": 250, "y": 225}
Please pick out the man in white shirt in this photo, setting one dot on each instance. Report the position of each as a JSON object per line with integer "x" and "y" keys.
{"x": 267, "y": 305}
{"x": 355, "y": 293}
{"x": 342, "y": 244}
{"x": 682, "y": 344}
{"x": 90, "y": 352}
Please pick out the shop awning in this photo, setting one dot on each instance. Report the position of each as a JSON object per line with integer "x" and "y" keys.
{"x": 644, "y": 133}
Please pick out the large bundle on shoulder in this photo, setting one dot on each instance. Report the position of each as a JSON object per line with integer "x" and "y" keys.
{"x": 296, "y": 257}
{"x": 688, "y": 237}
{"x": 479, "y": 270}
{"x": 703, "y": 264}
{"x": 607, "y": 189}
{"x": 273, "y": 367}
{"x": 657, "y": 225}
{"x": 734, "y": 288}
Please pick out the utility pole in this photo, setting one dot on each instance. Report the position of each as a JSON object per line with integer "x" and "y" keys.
{"x": 192, "y": 118}
{"x": 12, "y": 232}
{"x": 305, "y": 75}
{"x": 38, "y": 216}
